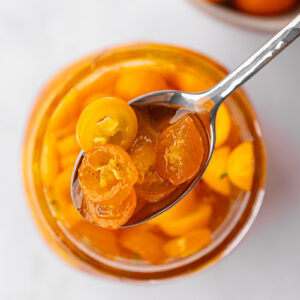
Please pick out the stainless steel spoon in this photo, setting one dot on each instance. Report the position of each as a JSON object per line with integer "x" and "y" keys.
{"x": 216, "y": 95}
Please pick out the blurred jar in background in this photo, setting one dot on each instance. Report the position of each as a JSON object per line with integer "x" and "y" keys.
{"x": 262, "y": 15}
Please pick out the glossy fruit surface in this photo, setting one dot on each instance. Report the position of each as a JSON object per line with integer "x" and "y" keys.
{"x": 179, "y": 151}
{"x": 106, "y": 120}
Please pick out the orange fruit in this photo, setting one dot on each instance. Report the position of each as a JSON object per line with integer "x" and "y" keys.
{"x": 241, "y": 166}
{"x": 146, "y": 244}
{"x": 188, "y": 244}
{"x": 111, "y": 216}
{"x": 106, "y": 120}
{"x": 215, "y": 175}
{"x": 107, "y": 174}
{"x": 133, "y": 83}
{"x": 179, "y": 151}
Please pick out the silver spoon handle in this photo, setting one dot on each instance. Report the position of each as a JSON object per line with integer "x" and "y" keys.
{"x": 255, "y": 62}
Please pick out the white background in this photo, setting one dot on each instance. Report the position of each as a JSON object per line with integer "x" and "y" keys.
{"x": 37, "y": 38}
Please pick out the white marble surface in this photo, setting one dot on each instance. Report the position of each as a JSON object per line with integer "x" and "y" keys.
{"x": 39, "y": 37}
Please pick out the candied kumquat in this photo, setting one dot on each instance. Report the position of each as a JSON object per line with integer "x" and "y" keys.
{"x": 61, "y": 187}
{"x": 223, "y": 125}
{"x": 106, "y": 120}
{"x": 192, "y": 83}
{"x": 241, "y": 166}
{"x": 70, "y": 215}
{"x": 67, "y": 130}
{"x": 265, "y": 7}
{"x": 49, "y": 160}
{"x": 107, "y": 174}
{"x": 111, "y": 216}
{"x": 66, "y": 111}
{"x": 137, "y": 82}
{"x": 179, "y": 151}
{"x": 68, "y": 160}
{"x": 87, "y": 101}
{"x": 142, "y": 153}
{"x": 102, "y": 239}
{"x": 103, "y": 83}
{"x": 215, "y": 175}
{"x": 150, "y": 186}
{"x": 146, "y": 244}
{"x": 154, "y": 188}
{"x": 179, "y": 210}
{"x": 188, "y": 244}
{"x": 68, "y": 145}
{"x": 199, "y": 218}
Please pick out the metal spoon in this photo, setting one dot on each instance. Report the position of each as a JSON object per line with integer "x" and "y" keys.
{"x": 216, "y": 96}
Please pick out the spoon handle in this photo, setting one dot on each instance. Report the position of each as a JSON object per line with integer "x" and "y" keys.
{"x": 255, "y": 62}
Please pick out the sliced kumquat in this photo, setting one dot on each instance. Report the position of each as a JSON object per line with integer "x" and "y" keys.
{"x": 62, "y": 187}
{"x": 68, "y": 145}
{"x": 102, "y": 239}
{"x": 103, "y": 83}
{"x": 70, "y": 215}
{"x": 146, "y": 244}
{"x": 150, "y": 186}
{"x": 199, "y": 218}
{"x": 193, "y": 83}
{"x": 106, "y": 120}
{"x": 188, "y": 244}
{"x": 154, "y": 188}
{"x": 87, "y": 101}
{"x": 181, "y": 209}
{"x": 68, "y": 160}
{"x": 139, "y": 81}
{"x": 107, "y": 174}
{"x": 67, "y": 130}
{"x": 223, "y": 125}
{"x": 179, "y": 151}
{"x": 49, "y": 160}
{"x": 241, "y": 166}
{"x": 66, "y": 111}
{"x": 215, "y": 175}
{"x": 110, "y": 216}
{"x": 142, "y": 153}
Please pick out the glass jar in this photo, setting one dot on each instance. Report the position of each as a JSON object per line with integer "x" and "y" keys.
{"x": 226, "y": 237}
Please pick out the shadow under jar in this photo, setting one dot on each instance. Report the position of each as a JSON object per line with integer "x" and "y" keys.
{"x": 50, "y": 151}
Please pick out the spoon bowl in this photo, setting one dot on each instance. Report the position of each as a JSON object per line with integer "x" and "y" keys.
{"x": 147, "y": 210}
